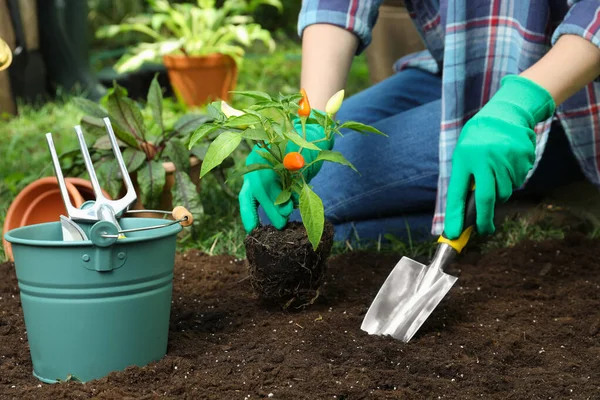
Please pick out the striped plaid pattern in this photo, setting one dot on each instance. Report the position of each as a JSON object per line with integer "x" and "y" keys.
{"x": 474, "y": 44}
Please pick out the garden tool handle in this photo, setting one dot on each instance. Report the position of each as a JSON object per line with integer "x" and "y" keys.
{"x": 470, "y": 220}
{"x": 180, "y": 213}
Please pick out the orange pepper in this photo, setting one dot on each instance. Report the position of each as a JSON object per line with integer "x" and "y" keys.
{"x": 304, "y": 110}
{"x": 293, "y": 161}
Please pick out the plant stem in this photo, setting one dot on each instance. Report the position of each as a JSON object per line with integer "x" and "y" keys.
{"x": 303, "y": 122}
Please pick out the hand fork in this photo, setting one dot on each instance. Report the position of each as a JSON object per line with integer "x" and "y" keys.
{"x": 103, "y": 208}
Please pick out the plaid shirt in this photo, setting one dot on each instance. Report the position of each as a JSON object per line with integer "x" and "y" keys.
{"x": 502, "y": 37}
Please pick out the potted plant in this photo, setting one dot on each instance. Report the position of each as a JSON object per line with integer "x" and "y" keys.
{"x": 284, "y": 265}
{"x": 201, "y": 46}
{"x": 164, "y": 171}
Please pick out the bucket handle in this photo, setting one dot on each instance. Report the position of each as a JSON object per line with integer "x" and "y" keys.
{"x": 181, "y": 214}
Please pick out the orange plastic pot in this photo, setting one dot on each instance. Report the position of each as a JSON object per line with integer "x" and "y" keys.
{"x": 40, "y": 201}
{"x": 202, "y": 79}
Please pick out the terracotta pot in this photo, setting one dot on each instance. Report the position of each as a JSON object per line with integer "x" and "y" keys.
{"x": 166, "y": 199}
{"x": 85, "y": 189}
{"x": 40, "y": 201}
{"x": 200, "y": 80}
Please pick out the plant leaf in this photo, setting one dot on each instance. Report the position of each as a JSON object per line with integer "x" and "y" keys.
{"x": 313, "y": 215}
{"x": 253, "y": 94}
{"x": 249, "y": 168}
{"x": 189, "y": 123}
{"x": 151, "y": 178}
{"x": 199, "y": 150}
{"x": 255, "y": 134}
{"x": 176, "y": 152}
{"x": 155, "y": 101}
{"x": 93, "y": 126}
{"x": 333, "y": 156}
{"x": 102, "y": 143}
{"x": 242, "y": 121}
{"x": 200, "y": 133}
{"x": 90, "y": 108}
{"x": 362, "y": 128}
{"x": 299, "y": 140}
{"x": 109, "y": 176}
{"x": 214, "y": 111}
{"x": 219, "y": 150}
{"x": 265, "y": 105}
{"x": 127, "y": 116}
{"x": 133, "y": 159}
{"x": 283, "y": 196}
{"x": 269, "y": 157}
{"x": 186, "y": 194}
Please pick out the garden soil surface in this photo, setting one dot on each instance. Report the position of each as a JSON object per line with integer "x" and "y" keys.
{"x": 520, "y": 323}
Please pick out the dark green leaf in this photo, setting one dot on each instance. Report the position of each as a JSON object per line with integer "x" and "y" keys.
{"x": 155, "y": 101}
{"x": 133, "y": 159}
{"x": 178, "y": 154}
{"x": 199, "y": 150}
{"x": 266, "y": 105}
{"x": 214, "y": 111}
{"x": 200, "y": 133}
{"x": 185, "y": 194}
{"x": 127, "y": 116}
{"x": 299, "y": 140}
{"x": 255, "y": 134}
{"x": 253, "y": 94}
{"x": 102, "y": 143}
{"x": 109, "y": 176}
{"x": 283, "y": 196}
{"x": 334, "y": 156}
{"x": 281, "y": 145}
{"x": 269, "y": 157}
{"x": 242, "y": 121}
{"x": 362, "y": 128}
{"x": 189, "y": 123}
{"x": 276, "y": 151}
{"x": 248, "y": 168}
{"x": 219, "y": 150}
{"x": 313, "y": 215}
{"x": 90, "y": 108}
{"x": 151, "y": 179}
{"x": 93, "y": 126}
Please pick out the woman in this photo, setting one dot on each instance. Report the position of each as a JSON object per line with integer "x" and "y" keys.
{"x": 507, "y": 94}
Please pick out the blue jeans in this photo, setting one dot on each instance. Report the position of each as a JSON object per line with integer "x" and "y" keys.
{"x": 395, "y": 189}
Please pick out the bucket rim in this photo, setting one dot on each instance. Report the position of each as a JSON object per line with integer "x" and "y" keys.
{"x": 162, "y": 232}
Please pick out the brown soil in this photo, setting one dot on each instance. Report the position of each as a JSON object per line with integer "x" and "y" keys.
{"x": 283, "y": 267}
{"x": 521, "y": 323}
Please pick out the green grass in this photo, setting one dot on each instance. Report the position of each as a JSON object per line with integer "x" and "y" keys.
{"x": 515, "y": 230}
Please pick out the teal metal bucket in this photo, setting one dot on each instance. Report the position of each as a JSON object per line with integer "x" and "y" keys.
{"x": 93, "y": 310}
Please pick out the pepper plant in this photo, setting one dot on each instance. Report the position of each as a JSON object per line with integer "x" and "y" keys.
{"x": 268, "y": 124}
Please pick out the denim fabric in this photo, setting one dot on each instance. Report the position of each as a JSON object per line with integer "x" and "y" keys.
{"x": 397, "y": 181}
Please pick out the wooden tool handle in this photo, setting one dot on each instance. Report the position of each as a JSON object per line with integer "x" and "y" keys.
{"x": 180, "y": 212}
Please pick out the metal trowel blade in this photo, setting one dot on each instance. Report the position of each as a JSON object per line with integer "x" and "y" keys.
{"x": 400, "y": 285}
{"x": 408, "y": 296}
{"x": 71, "y": 231}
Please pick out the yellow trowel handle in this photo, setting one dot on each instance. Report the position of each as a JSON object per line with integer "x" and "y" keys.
{"x": 470, "y": 220}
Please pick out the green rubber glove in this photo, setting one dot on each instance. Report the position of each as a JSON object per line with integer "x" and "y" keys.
{"x": 263, "y": 186}
{"x": 496, "y": 149}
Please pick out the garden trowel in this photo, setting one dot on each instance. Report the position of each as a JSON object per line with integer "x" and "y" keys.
{"x": 413, "y": 290}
